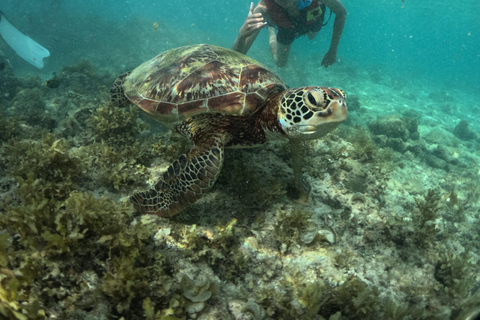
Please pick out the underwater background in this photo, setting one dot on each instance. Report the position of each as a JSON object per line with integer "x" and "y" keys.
{"x": 391, "y": 229}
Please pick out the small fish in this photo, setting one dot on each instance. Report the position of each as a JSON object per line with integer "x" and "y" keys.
{"x": 2, "y": 66}
{"x": 155, "y": 26}
{"x": 52, "y": 83}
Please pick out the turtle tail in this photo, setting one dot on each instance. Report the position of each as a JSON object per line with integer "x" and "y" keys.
{"x": 117, "y": 95}
{"x": 186, "y": 180}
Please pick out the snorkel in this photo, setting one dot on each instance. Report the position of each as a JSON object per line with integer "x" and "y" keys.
{"x": 302, "y": 4}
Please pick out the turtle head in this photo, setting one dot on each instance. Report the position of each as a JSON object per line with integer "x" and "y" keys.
{"x": 309, "y": 113}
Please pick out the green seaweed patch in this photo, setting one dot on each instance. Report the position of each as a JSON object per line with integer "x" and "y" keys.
{"x": 455, "y": 273}
{"x": 83, "y": 66}
{"x": 81, "y": 249}
{"x": 424, "y": 219}
{"x": 354, "y": 299}
{"x": 362, "y": 141}
{"x": 84, "y": 78}
{"x": 218, "y": 247}
{"x": 290, "y": 224}
{"x": 116, "y": 126}
{"x": 10, "y": 128}
{"x": 48, "y": 159}
{"x": 166, "y": 314}
{"x": 312, "y": 296}
{"x": 364, "y": 147}
{"x": 30, "y": 107}
{"x": 14, "y": 302}
{"x": 116, "y": 168}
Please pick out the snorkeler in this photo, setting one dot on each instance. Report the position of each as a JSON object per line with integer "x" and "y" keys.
{"x": 292, "y": 19}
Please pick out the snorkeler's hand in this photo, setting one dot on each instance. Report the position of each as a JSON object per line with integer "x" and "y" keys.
{"x": 329, "y": 59}
{"x": 253, "y": 23}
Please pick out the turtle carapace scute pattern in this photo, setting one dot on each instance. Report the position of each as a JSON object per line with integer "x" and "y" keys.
{"x": 219, "y": 98}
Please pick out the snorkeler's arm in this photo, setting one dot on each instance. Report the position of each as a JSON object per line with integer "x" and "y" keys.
{"x": 340, "y": 16}
{"x": 250, "y": 29}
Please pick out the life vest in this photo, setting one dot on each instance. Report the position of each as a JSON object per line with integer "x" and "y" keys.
{"x": 310, "y": 14}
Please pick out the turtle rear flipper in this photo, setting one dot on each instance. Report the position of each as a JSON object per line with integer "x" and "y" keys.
{"x": 117, "y": 95}
{"x": 186, "y": 180}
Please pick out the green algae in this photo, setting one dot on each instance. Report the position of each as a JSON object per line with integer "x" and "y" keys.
{"x": 10, "y": 128}
{"x": 424, "y": 219}
{"x": 312, "y": 296}
{"x": 13, "y": 304}
{"x": 79, "y": 256}
{"x": 115, "y": 125}
{"x": 48, "y": 159}
{"x": 117, "y": 168}
{"x": 291, "y": 224}
{"x": 74, "y": 237}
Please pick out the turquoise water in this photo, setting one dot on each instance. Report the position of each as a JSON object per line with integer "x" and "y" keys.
{"x": 435, "y": 39}
{"x": 419, "y": 61}
{"x": 373, "y": 242}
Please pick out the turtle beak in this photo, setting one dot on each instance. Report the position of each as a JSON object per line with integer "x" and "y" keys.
{"x": 336, "y": 111}
{"x": 327, "y": 119}
{"x": 311, "y": 112}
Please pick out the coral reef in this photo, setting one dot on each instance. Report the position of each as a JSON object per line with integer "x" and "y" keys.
{"x": 390, "y": 229}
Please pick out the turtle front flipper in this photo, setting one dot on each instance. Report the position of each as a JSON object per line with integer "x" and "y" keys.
{"x": 186, "y": 180}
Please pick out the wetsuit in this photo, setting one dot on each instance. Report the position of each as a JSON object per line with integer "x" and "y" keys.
{"x": 309, "y": 19}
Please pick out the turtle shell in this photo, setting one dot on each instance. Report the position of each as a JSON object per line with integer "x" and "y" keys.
{"x": 191, "y": 80}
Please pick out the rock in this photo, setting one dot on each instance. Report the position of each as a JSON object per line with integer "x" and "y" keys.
{"x": 442, "y": 153}
{"x": 463, "y": 131}
{"x": 396, "y": 144}
{"x": 417, "y": 147}
{"x": 356, "y": 181}
{"x": 412, "y": 127}
{"x": 414, "y": 186}
{"x": 394, "y": 126}
{"x": 441, "y": 137}
{"x": 436, "y": 162}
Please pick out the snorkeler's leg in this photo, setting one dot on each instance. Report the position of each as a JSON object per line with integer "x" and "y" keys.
{"x": 282, "y": 52}
{"x": 278, "y": 50}
{"x": 272, "y": 41}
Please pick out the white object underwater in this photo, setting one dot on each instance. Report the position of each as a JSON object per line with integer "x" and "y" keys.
{"x": 23, "y": 45}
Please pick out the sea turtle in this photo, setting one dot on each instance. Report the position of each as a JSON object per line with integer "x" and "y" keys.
{"x": 219, "y": 98}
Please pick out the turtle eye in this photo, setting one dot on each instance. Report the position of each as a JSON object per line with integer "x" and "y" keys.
{"x": 311, "y": 99}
